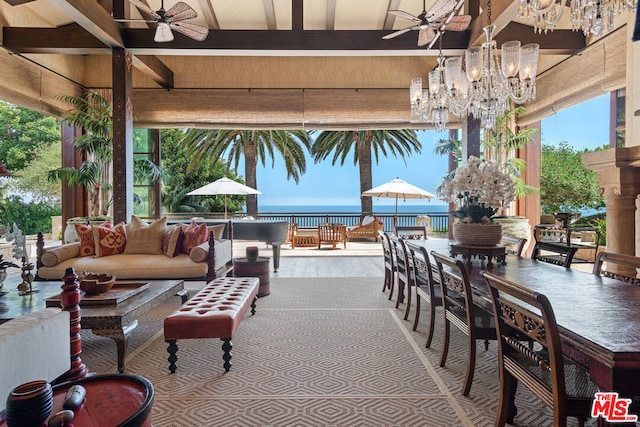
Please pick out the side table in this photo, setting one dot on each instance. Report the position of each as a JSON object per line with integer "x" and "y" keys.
{"x": 259, "y": 268}
{"x": 469, "y": 251}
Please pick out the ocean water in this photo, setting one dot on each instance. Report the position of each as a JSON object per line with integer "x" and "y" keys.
{"x": 426, "y": 208}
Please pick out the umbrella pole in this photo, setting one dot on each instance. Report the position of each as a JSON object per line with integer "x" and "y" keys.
{"x": 225, "y": 206}
{"x": 395, "y": 217}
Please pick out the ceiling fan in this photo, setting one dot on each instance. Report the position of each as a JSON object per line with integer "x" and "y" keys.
{"x": 429, "y": 21}
{"x": 171, "y": 19}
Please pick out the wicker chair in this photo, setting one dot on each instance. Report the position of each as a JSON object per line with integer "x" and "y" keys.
{"x": 618, "y": 266}
{"x": 559, "y": 384}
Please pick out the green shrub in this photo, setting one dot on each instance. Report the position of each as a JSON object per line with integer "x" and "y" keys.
{"x": 31, "y": 218}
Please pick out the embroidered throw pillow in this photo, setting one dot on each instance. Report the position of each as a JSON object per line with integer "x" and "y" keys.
{"x": 194, "y": 234}
{"x": 143, "y": 238}
{"x": 87, "y": 244}
{"x": 109, "y": 241}
{"x": 172, "y": 242}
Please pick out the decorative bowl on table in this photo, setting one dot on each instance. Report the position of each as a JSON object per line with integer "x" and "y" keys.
{"x": 92, "y": 283}
{"x": 29, "y": 404}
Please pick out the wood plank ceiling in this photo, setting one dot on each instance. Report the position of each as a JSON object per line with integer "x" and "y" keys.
{"x": 266, "y": 63}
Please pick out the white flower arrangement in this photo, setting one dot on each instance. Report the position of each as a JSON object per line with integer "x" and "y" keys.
{"x": 479, "y": 188}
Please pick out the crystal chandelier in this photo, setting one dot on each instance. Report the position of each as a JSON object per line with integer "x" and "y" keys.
{"x": 483, "y": 88}
{"x": 592, "y": 16}
{"x": 431, "y": 105}
{"x": 489, "y": 81}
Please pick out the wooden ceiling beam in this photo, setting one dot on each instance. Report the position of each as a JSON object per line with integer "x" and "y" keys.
{"x": 209, "y": 14}
{"x": 557, "y": 42}
{"x": 68, "y": 40}
{"x": 297, "y": 15}
{"x": 390, "y": 19}
{"x": 95, "y": 20}
{"x": 18, "y": 2}
{"x": 141, "y": 41}
{"x": 502, "y": 13}
{"x": 331, "y": 15}
{"x": 270, "y": 14}
{"x": 155, "y": 69}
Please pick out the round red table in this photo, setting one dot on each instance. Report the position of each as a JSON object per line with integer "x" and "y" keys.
{"x": 122, "y": 400}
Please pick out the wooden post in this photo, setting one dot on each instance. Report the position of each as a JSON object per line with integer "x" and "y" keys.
{"x": 70, "y": 301}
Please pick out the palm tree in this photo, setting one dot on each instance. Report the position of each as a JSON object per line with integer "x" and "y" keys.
{"x": 501, "y": 144}
{"x": 362, "y": 143}
{"x": 93, "y": 114}
{"x": 254, "y": 146}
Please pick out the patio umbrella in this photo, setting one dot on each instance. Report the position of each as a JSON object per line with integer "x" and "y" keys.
{"x": 223, "y": 186}
{"x": 397, "y": 188}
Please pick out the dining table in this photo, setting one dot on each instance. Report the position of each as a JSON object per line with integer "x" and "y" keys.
{"x": 598, "y": 317}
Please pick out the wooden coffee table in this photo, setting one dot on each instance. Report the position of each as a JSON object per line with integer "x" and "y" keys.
{"x": 115, "y": 321}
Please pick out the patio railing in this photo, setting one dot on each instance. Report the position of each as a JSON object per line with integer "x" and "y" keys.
{"x": 439, "y": 220}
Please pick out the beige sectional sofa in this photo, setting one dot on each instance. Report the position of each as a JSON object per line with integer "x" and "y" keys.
{"x": 207, "y": 260}
{"x": 33, "y": 347}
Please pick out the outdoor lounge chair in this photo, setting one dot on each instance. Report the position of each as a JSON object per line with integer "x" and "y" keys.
{"x": 367, "y": 228}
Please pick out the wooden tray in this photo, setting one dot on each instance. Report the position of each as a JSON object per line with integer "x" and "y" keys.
{"x": 120, "y": 292}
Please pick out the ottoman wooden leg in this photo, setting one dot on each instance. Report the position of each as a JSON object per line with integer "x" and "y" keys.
{"x": 227, "y": 345}
{"x": 173, "y": 358}
{"x": 253, "y": 305}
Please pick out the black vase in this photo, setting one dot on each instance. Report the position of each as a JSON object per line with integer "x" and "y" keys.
{"x": 252, "y": 253}
{"x": 29, "y": 404}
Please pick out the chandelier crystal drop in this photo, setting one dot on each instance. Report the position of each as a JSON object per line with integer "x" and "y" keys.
{"x": 591, "y": 16}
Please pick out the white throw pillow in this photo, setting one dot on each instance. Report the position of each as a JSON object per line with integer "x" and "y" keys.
{"x": 368, "y": 219}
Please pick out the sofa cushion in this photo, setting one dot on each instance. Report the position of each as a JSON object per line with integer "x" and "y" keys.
{"x": 218, "y": 231}
{"x": 131, "y": 266}
{"x": 34, "y": 346}
{"x": 172, "y": 242}
{"x": 143, "y": 238}
{"x": 222, "y": 252}
{"x": 109, "y": 241}
{"x": 87, "y": 243}
{"x": 52, "y": 256}
{"x": 194, "y": 234}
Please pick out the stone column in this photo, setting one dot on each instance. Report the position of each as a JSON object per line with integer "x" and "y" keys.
{"x": 619, "y": 180}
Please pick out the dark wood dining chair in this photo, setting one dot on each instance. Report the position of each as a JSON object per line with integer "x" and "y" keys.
{"x": 560, "y": 385}
{"x": 513, "y": 245}
{"x": 389, "y": 264}
{"x": 427, "y": 288}
{"x": 406, "y": 278}
{"x": 618, "y": 266}
{"x": 460, "y": 311}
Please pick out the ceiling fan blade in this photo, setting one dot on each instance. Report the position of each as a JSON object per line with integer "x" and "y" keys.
{"x": 441, "y": 8}
{"x": 144, "y": 7}
{"x": 196, "y": 32}
{"x": 425, "y": 36}
{"x": 459, "y": 23}
{"x": 404, "y": 15}
{"x": 179, "y": 12}
{"x": 397, "y": 33}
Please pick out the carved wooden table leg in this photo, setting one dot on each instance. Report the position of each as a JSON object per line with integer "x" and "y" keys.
{"x": 121, "y": 338}
{"x": 70, "y": 301}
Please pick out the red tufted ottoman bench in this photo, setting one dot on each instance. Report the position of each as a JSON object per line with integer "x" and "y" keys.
{"x": 214, "y": 312}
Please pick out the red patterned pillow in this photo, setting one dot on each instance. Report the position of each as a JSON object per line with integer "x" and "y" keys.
{"x": 87, "y": 244}
{"x": 109, "y": 241}
{"x": 172, "y": 242}
{"x": 194, "y": 234}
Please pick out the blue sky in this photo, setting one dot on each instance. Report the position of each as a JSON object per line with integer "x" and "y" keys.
{"x": 585, "y": 125}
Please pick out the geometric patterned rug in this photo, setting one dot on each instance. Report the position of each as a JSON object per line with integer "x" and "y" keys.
{"x": 318, "y": 352}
